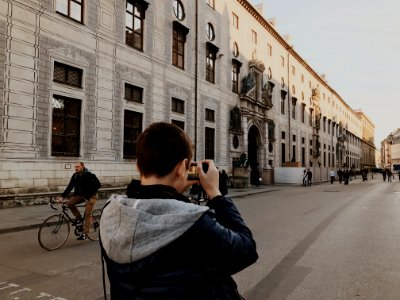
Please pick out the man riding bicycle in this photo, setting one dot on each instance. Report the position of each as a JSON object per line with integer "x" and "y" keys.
{"x": 85, "y": 185}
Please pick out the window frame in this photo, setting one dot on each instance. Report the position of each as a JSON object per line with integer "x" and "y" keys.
{"x": 209, "y": 115}
{"x": 178, "y": 47}
{"x": 179, "y": 10}
{"x": 81, "y": 3}
{"x": 132, "y": 141}
{"x": 67, "y": 69}
{"x": 235, "y": 20}
{"x": 211, "y": 56}
{"x": 211, "y": 3}
{"x": 133, "y": 88}
{"x": 141, "y": 8}
{"x": 235, "y": 77}
{"x": 67, "y": 120}
{"x": 209, "y": 143}
{"x": 177, "y": 105}
{"x": 210, "y": 31}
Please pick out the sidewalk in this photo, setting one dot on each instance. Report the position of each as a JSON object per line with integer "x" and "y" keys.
{"x": 27, "y": 217}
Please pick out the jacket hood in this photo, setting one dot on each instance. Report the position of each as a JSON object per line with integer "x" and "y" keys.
{"x": 131, "y": 229}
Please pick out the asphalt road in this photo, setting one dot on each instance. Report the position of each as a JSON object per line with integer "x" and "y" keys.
{"x": 320, "y": 242}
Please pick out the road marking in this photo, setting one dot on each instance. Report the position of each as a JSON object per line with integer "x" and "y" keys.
{"x": 32, "y": 295}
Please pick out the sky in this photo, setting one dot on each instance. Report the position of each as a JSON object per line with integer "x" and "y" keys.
{"x": 356, "y": 43}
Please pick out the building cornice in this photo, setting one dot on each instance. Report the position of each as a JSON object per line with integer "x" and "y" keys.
{"x": 257, "y": 16}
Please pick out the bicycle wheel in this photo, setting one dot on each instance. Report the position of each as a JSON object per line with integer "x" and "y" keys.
{"x": 53, "y": 232}
{"x": 94, "y": 230}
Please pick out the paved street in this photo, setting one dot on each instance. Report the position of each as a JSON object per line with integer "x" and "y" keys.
{"x": 320, "y": 242}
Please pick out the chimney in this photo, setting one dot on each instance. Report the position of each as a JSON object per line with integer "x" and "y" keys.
{"x": 260, "y": 8}
{"x": 272, "y": 21}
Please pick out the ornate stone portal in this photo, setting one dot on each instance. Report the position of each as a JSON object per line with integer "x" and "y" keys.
{"x": 255, "y": 100}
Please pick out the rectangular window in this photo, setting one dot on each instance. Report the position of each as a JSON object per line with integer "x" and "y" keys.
{"x": 311, "y": 117}
{"x": 282, "y": 106}
{"x": 282, "y": 61}
{"x": 133, "y": 93}
{"x": 293, "y": 153}
{"x": 211, "y": 3}
{"x": 178, "y": 105}
{"x": 209, "y": 143}
{"x": 178, "y": 47}
{"x": 210, "y": 115}
{"x": 303, "y": 112}
{"x": 303, "y": 156}
{"x": 132, "y": 130}
{"x": 293, "y": 70}
{"x": 180, "y": 124}
{"x": 294, "y": 138}
{"x": 67, "y": 75}
{"x": 235, "y": 77}
{"x": 269, "y": 49}
{"x": 210, "y": 64}
{"x": 235, "y": 20}
{"x": 283, "y": 153}
{"x": 134, "y": 20}
{"x": 71, "y": 8}
{"x": 283, "y": 135}
{"x": 65, "y": 138}
{"x": 254, "y": 36}
{"x": 303, "y": 140}
{"x": 293, "y": 108}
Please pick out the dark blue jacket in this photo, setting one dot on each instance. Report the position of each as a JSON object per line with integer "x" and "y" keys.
{"x": 197, "y": 265}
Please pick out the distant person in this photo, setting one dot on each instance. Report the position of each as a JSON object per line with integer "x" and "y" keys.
{"x": 346, "y": 177}
{"x": 309, "y": 177}
{"x": 340, "y": 175}
{"x": 85, "y": 185}
{"x": 384, "y": 175}
{"x": 332, "y": 175}
{"x": 304, "y": 177}
{"x": 255, "y": 176}
{"x": 399, "y": 175}
{"x": 389, "y": 175}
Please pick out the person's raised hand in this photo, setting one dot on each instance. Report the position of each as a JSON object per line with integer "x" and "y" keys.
{"x": 210, "y": 179}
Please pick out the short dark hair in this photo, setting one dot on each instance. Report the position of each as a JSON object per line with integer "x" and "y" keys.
{"x": 160, "y": 147}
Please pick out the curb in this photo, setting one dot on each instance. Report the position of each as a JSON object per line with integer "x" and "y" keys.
{"x": 37, "y": 225}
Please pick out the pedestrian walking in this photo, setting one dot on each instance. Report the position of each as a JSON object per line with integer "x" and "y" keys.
{"x": 340, "y": 175}
{"x": 304, "y": 177}
{"x": 332, "y": 175}
{"x": 309, "y": 177}
{"x": 346, "y": 177}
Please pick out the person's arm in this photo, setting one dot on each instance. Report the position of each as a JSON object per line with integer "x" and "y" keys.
{"x": 70, "y": 186}
{"x": 224, "y": 237}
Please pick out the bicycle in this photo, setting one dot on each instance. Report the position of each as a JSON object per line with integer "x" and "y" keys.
{"x": 55, "y": 230}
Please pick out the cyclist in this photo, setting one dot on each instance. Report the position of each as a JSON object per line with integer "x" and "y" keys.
{"x": 85, "y": 185}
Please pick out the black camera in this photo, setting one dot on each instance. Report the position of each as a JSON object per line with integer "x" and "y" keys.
{"x": 193, "y": 171}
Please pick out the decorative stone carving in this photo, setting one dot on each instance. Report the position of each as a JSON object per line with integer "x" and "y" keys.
{"x": 248, "y": 83}
{"x": 236, "y": 119}
{"x": 266, "y": 94}
{"x": 69, "y": 55}
{"x": 271, "y": 130}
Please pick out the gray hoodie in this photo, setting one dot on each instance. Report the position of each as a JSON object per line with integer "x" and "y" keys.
{"x": 132, "y": 229}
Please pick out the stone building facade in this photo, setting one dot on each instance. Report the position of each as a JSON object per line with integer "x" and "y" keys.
{"x": 79, "y": 80}
{"x": 390, "y": 151}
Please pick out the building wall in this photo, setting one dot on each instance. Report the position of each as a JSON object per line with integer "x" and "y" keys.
{"x": 35, "y": 36}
